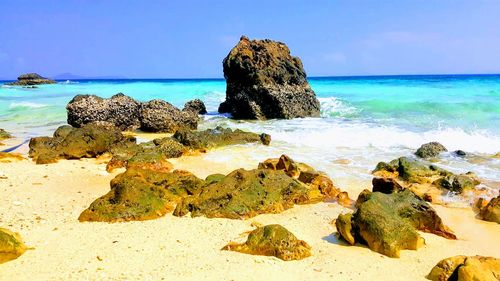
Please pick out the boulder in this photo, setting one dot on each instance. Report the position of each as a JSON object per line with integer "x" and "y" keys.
{"x": 88, "y": 141}
{"x": 388, "y": 223}
{"x": 463, "y": 268}
{"x": 161, "y": 116}
{"x": 119, "y": 110}
{"x": 11, "y": 245}
{"x": 142, "y": 193}
{"x": 263, "y": 81}
{"x": 273, "y": 240}
{"x": 316, "y": 180}
{"x": 431, "y": 149}
{"x": 411, "y": 171}
{"x": 197, "y": 106}
{"x": 491, "y": 212}
{"x": 211, "y": 138}
{"x": 30, "y": 79}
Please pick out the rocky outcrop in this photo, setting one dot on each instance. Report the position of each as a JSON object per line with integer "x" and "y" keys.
{"x": 388, "y": 223}
{"x": 197, "y": 106}
{"x": 211, "y": 138}
{"x": 463, "y": 268}
{"x": 142, "y": 193}
{"x": 273, "y": 240}
{"x": 431, "y": 149}
{"x": 11, "y": 245}
{"x": 184, "y": 142}
{"x": 119, "y": 110}
{"x": 161, "y": 116}
{"x": 128, "y": 114}
{"x": 88, "y": 141}
{"x": 148, "y": 190}
{"x": 490, "y": 211}
{"x": 31, "y": 79}
{"x": 4, "y": 134}
{"x": 411, "y": 172}
{"x": 263, "y": 81}
{"x": 386, "y": 185}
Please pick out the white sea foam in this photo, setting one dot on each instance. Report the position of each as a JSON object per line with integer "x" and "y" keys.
{"x": 25, "y": 104}
{"x": 332, "y": 106}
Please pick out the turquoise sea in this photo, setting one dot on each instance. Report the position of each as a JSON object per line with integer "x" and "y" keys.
{"x": 364, "y": 119}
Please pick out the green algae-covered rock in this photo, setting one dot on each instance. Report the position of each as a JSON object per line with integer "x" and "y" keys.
{"x": 463, "y": 268}
{"x": 273, "y": 240}
{"x": 11, "y": 245}
{"x": 74, "y": 143}
{"x": 142, "y": 194}
{"x": 413, "y": 171}
{"x": 244, "y": 194}
{"x": 388, "y": 223}
{"x": 211, "y": 138}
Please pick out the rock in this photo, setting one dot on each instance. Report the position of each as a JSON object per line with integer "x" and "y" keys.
{"x": 411, "y": 171}
{"x": 460, "y": 153}
{"x": 316, "y": 180}
{"x": 273, "y": 240}
{"x": 119, "y": 110}
{"x": 463, "y": 268}
{"x": 31, "y": 79}
{"x": 263, "y": 81}
{"x": 491, "y": 212}
{"x": 386, "y": 185}
{"x": 431, "y": 149}
{"x": 344, "y": 226}
{"x": 4, "y": 135}
{"x": 244, "y": 194}
{"x": 11, "y": 245}
{"x": 197, "y": 106}
{"x": 86, "y": 142}
{"x": 141, "y": 194}
{"x": 211, "y": 138}
{"x": 161, "y": 116}
{"x": 388, "y": 223}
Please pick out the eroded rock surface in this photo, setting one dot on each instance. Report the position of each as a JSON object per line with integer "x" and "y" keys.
{"x": 431, "y": 149}
{"x": 491, "y": 210}
{"x": 197, "y": 106}
{"x": 74, "y": 143}
{"x": 263, "y": 81}
{"x": 11, "y": 245}
{"x": 388, "y": 223}
{"x": 463, "y": 268}
{"x": 273, "y": 240}
{"x": 161, "y": 116}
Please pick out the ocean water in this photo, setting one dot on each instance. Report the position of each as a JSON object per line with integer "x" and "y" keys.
{"x": 364, "y": 120}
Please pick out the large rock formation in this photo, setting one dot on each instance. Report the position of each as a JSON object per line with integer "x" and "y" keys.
{"x": 129, "y": 114}
{"x": 31, "y": 79}
{"x": 273, "y": 240}
{"x": 197, "y": 106}
{"x": 463, "y": 268}
{"x": 119, "y": 110}
{"x": 11, "y": 245}
{"x": 418, "y": 176}
{"x": 491, "y": 210}
{"x": 88, "y": 141}
{"x": 148, "y": 190}
{"x": 264, "y": 81}
{"x": 388, "y": 223}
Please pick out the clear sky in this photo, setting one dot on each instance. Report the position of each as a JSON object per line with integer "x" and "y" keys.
{"x": 187, "y": 38}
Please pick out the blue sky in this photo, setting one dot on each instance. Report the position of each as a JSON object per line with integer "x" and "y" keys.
{"x": 186, "y": 39}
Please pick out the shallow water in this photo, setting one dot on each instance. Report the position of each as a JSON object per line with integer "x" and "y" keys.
{"x": 364, "y": 119}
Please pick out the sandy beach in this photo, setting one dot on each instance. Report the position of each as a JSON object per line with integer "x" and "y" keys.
{"x": 42, "y": 203}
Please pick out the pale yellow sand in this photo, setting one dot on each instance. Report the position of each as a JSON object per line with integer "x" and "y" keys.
{"x": 42, "y": 203}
